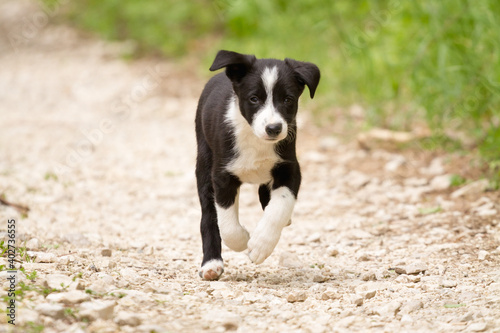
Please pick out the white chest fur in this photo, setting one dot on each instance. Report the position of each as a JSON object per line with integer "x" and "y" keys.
{"x": 255, "y": 158}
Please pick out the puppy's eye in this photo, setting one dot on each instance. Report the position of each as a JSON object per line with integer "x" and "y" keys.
{"x": 254, "y": 100}
{"x": 288, "y": 100}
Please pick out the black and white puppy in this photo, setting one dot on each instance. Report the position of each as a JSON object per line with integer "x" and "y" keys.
{"x": 246, "y": 132}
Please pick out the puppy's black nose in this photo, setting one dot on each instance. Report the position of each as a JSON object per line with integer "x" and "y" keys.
{"x": 274, "y": 129}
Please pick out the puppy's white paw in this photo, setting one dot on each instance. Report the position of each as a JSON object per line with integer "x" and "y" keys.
{"x": 212, "y": 270}
{"x": 262, "y": 244}
{"x": 236, "y": 238}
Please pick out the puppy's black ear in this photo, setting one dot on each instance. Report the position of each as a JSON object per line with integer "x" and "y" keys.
{"x": 237, "y": 65}
{"x": 307, "y": 73}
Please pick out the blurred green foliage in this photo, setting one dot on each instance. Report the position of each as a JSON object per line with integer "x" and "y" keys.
{"x": 403, "y": 61}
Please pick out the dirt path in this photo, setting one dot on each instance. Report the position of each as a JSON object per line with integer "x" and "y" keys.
{"x": 102, "y": 151}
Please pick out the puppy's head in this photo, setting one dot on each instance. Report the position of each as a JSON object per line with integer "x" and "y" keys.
{"x": 268, "y": 90}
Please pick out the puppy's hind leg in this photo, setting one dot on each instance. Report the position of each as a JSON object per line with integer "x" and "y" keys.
{"x": 212, "y": 265}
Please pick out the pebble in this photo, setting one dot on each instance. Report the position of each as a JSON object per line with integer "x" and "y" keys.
{"x": 412, "y": 306}
{"x": 319, "y": 278}
{"x": 476, "y": 187}
{"x": 314, "y": 238}
{"x": 448, "y": 283}
{"x": 69, "y": 297}
{"x": 483, "y": 255}
{"x": 388, "y": 310}
{"x": 51, "y": 310}
{"x": 33, "y": 244}
{"x": 97, "y": 309}
{"x": 357, "y": 300}
{"x": 127, "y": 318}
{"x": 329, "y": 293}
{"x": 296, "y": 296}
{"x": 369, "y": 277}
{"x": 290, "y": 260}
{"x": 441, "y": 182}
{"x": 478, "y": 327}
{"x": 42, "y": 257}
{"x": 106, "y": 252}
{"x": 411, "y": 269}
{"x": 332, "y": 251}
{"x": 57, "y": 281}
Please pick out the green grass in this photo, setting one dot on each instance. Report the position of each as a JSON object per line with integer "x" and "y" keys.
{"x": 404, "y": 62}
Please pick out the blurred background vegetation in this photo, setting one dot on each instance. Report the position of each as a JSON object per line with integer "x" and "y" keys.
{"x": 406, "y": 63}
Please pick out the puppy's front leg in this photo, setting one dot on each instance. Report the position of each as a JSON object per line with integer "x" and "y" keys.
{"x": 277, "y": 214}
{"x": 233, "y": 234}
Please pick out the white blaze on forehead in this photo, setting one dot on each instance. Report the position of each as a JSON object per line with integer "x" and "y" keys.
{"x": 268, "y": 114}
{"x": 269, "y": 77}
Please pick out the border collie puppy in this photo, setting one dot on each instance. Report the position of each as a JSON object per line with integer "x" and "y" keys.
{"x": 246, "y": 132}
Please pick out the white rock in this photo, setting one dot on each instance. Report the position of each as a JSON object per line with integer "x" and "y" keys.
{"x": 65, "y": 260}
{"x": 296, "y": 296}
{"x": 357, "y": 300}
{"x": 448, "y": 284}
{"x": 69, "y": 297}
{"x": 478, "y": 327}
{"x": 226, "y": 320}
{"x": 127, "y": 318}
{"x": 314, "y": 238}
{"x": 476, "y": 187}
{"x": 332, "y": 251}
{"x": 106, "y": 252}
{"x": 441, "y": 182}
{"x": 412, "y": 306}
{"x": 25, "y": 315}
{"x": 395, "y": 163}
{"x": 388, "y": 310}
{"x": 51, "y": 310}
{"x": 483, "y": 255}
{"x": 33, "y": 244}
{"x": 435, "y": 168}
{"x": 329, "y": 293}
{"x": 97, "y": 310}
{"x": 42, "y": 257}
{"x": 290, "y": 260}
{"x": 57, "y": 281}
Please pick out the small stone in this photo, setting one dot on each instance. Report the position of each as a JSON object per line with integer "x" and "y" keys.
{"x": 329, "y": 293}
{"x": 94, "y": 310}
{"x": 318, "y": 278}
{"x": 483, "y": 255}
{"x": 406, "y": 319}
{"x": 388, "y": 310}
{"x": 357, "y": 300}
{"x": 478, "y": 327}
{"x": 370, "y": 294}
{"x": 448, "y": 284}
{"x": 416, "y": 268}
{"x": 33, "y": 244}
{"x": 106, "y": 252}
{"x": 299, "y": 296}
{"x": 332, "y": 251}
{"x": 127, "y": 318}
{"x": 441, "y": 182}
{"x": 57, "y": 281}
{"x": 467, "y": 317}
{"x": 368, "y": 276}
{"x": 77, "y": 239}
{"x": 290, "y": 260}
{"x": 42, "y": 257}
{"x": 412, "y": 306}
{"x": 476, "y": 187}
{"x": 51, "y": 310}
{"x": 65, "y": 260}
{"x": 70, "y": 297}
{"x": 25, "y": 315}
{"x": 314, "y": 238}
